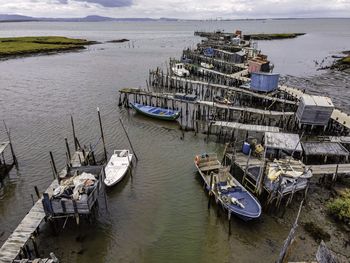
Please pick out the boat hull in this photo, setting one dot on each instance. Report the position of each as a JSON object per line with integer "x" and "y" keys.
{"x": 116, "y": 169}
{"x": 234, "y": 199}
{"x": 156, "y": 112}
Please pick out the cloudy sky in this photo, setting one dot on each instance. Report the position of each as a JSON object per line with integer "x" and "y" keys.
{"x": 196, "y": 9}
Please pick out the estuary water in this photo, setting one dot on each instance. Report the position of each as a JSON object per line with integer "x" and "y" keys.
{"x": 160, "y": 213}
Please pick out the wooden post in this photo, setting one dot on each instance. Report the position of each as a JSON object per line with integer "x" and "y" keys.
{"x": 127, "y": 136}
{"x": 14, "y": 158}
{"x": 68, "y": 151}
{"x": 102, "y": 136}
{"x": 37, "y": 192}
{"x": 36, "y": 250}
{"x": 53, "y": 171}
{"x": 247, "y": 166}
{"x": 290, "y": 238}
{"x": 74, "y": 137}
{"x": 53, "y": 164}
{"x": 210, "y": 190}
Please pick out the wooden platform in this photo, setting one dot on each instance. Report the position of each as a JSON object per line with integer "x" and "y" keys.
{"x": 12, "y": 246}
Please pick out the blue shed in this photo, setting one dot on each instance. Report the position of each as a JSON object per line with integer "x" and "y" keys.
{"x": 265, "y": 82}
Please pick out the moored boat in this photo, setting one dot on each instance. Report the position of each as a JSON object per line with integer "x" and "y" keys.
{"x": 117, "y": 167}
{"x": 156, "y": 112}
{"x": 227, "y": 190}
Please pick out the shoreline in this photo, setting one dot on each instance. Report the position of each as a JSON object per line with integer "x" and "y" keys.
{"x": 18, "y": 47}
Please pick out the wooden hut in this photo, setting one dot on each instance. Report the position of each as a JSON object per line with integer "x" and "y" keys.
{"x": 264, "y": 82}
{"x": 259, "y": 63}
{"x": 314, "y": 110}
{"x": 327, "y": 151}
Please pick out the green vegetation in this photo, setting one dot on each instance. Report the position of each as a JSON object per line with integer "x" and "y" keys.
{"x": 18, "y": 46}
{"x": 275, "y": 36}
{"x": 316, "y": 232}
{"x": 340, "y": 207}
{"x": 345, "y": 60}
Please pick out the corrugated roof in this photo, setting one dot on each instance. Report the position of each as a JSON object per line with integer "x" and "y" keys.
{"x": 324, "y": 148}
{"x": 320, "y": 101}
{"x": 284, "y": 141}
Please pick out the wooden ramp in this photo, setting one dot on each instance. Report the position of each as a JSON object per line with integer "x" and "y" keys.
{"x": 246, "y": 127}
{"x": 13, "y": 245}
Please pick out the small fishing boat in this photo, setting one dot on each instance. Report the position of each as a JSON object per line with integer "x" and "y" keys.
{"x": 222, "y": 100}
{"x": 227, "y": 190}
{"x": 156, "y": 112}
{"x": 117, "y": 167}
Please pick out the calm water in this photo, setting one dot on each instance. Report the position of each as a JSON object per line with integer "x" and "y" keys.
{"x": 160, "y": 214}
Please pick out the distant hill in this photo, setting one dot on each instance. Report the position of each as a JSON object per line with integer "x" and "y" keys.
{"x": 6, "y": 17}
{"x": 92, "y": 18}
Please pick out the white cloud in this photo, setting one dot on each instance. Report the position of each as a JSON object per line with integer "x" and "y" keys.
{"x": 198, "y": 9}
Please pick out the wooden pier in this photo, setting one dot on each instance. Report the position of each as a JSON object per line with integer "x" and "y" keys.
{"x": 17, "y": 243}
{"x": 21, "y": 244}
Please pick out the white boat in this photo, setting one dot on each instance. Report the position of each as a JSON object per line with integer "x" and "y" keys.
{"x": 117, "y": 167}
{"x": 179, "y": 70}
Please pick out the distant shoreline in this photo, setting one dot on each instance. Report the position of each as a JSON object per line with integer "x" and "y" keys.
{"x": 95, "y": 18}
{"x": 15, "y": 47}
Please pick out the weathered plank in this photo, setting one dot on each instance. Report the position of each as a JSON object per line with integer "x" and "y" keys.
{"x": 324, "y": 255}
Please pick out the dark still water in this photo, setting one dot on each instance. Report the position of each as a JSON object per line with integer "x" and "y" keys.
{"x": 160, "y": 214}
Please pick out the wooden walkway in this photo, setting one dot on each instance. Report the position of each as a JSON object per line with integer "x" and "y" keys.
{"x": 30, "y": 223}
{"x": 246, "y": 127}
{"x": 235, "y": 89}
{"x": 240, "y": 160}
{"x": 220, "y": 61}
{"x": 246, "y": 109}
{"x": 207, "y": 103}
{"x": 238, "y": 75}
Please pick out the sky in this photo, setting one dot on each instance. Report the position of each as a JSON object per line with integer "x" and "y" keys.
{"x": 185, "y": 9}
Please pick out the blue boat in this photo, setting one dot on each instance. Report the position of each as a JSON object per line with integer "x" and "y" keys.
{"x": 227, "y": 190}
{"x": 156, "y": 112}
